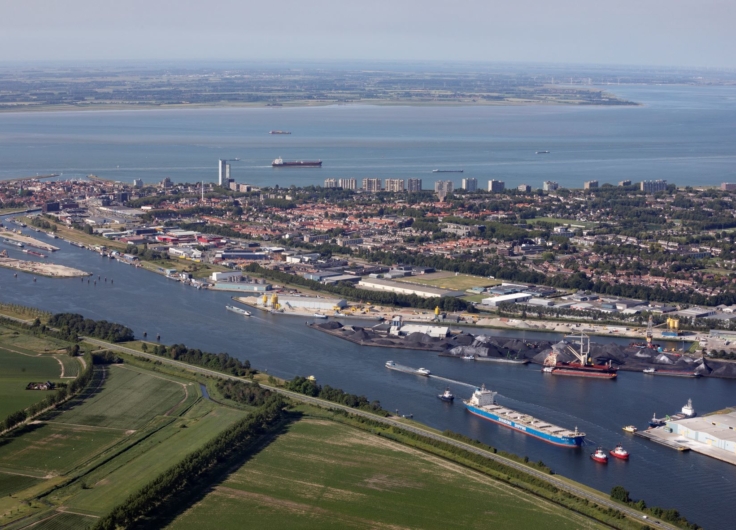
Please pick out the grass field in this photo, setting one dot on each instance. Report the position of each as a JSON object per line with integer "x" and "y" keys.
{"x": 131, "y": 398}
{"x": 556, "y": 221}
{"x": 322, "y": 474}
{"x": 64, "y": 521}
{"x": 107, "y": 485}
{"x": 448, "y": 280}
{"x": 17, "y": 371}
{"x": 10, "y": 484}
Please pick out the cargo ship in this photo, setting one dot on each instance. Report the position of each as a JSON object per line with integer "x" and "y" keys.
{"x": 483, "y": 403}
{"x": 235, "y": 309}
{"x": 671, "y": 373}
{"x": 407, "y": 369}
{"x": 582, "y": 366}
{"x": 279, "y": 132}
{"x": 447, "y": 170}
{"x": 279, "y": 162}
{"x": 542, "y": 152}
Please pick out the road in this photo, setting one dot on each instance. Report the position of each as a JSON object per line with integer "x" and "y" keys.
{"x": 557, "y": 482}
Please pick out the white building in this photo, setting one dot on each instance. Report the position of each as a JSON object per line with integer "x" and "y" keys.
{"x": 303, "y": 302}
{"x": 470, "y": 184}
{"x": 414, "y": 185}
{"x": 330, "y": 183}
{"x": 653, "y": 186}
{"x": 379, "y": 284}
{"x": 223, "y": 173}
{"x": 229, "y": 276}
{"x": 549, "y": 185}
{"x": 496, "y": 185}
{"x": 348, "y": 184}
{"x": 372, "y": 185}
{"x": 506, "y": 298}
{"x": 394, "y": 185}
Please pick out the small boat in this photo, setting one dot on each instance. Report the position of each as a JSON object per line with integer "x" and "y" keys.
{"x": 600, "y": 456}
{"x": 630, "y": 428}
{"x": 238, "y": 310}
{"x": 619, "y": 453}
{"x": 423, "y": 371}
{"x": 468, "y": 357}
{"x": 447, "y": 396}
{"x": 390, "y": 364}
{"x": 317, "y": 315}
{"x": 649, "y": 370}
{"x": 542, "y": 152}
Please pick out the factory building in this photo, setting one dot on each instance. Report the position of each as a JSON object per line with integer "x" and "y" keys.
{"x": 507, "y": 298}
{"x": 718, "y": 431}
{"x": 302, "y": 302}
{"x": 380, "y": 284}
{"x": 242, "y": 287}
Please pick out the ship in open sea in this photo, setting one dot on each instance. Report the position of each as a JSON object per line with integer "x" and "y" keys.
{"x": 483, "y": 403}
{"x": 279, "y": 132}
{"x": 279, "y": 162}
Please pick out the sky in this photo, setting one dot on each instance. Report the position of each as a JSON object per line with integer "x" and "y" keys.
{"x": 698, "y": 33}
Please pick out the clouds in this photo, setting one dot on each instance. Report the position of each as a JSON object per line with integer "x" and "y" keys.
{"x": 676, "y": 32}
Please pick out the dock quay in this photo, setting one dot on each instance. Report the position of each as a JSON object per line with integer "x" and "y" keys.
{"x": 29, "y": 241}
{"x": 663, "y": 436}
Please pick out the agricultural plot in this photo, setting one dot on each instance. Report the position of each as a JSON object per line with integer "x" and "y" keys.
{"x": 17, "y": 371}
{"x": 106, "y": 486}
{"x": 53, "y": 449}
{"x": 64, "y": 521}
{"x": 322, "y": 474}
{"x": 131, "y": 398}
{"x": 30, "y": 344}
{"x": 10, "y": 484}
{"x": 448, "y": 280}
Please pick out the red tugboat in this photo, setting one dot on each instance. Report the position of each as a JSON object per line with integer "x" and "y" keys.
{"x": 619, "y": 453}
{"x": 582, "y": 366}
{"x": 600, "y": 456}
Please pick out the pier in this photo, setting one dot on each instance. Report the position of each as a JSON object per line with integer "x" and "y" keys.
{"x": 662, "y": 436}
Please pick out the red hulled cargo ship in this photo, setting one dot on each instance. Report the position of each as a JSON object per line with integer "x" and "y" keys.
{"x": 582, "y": 366}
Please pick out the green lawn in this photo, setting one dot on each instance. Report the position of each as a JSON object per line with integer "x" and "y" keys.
{"x": 17, "y": 370}
{"x": 448, "y": 280}
{"x": 131, "y": 398}
{"x": 322, "y": 474}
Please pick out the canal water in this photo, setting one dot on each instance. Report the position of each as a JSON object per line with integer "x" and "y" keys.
{"x": 699, "y": 487}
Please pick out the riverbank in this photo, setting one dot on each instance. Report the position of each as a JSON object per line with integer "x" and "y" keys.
{"x": 29, "y": 241}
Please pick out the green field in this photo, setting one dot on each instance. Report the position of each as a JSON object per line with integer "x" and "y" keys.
{"x": 322, "y": 474}
{"x": 556, "y": 221}
{"x": 64, "y": 521}
{"x": 9, "y": 484}
{"x": 108, "y": 485}
{"x": 448, "y": 280}
{"x": 17, "y": 371}
{"x": 130, "y": 400}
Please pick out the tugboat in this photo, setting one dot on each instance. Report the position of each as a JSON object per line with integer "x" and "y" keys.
{"x": 620, "y": 453}
{"x": 600, "y": 456}
{"x": 447, "y": 396}
{"x": 630, "y": 428}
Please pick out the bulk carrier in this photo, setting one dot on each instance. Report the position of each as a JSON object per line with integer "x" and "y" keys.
{"x": 279, "y": 162}
{"x": 582, "y": 366}
{"x": 483, "y": 403}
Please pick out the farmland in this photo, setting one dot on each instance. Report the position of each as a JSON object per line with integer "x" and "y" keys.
{"x": 20, "y": 368}
{"x": 327, "y": 475}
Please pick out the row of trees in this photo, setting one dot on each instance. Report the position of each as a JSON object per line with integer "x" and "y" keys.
{"x": 308, "y": 387}
{"x": 445, "y": 303}
{"x": 221, "y": 362}
{"x": 194, "y": 468}
{"x": 621, "y": 494}
{"x": 245, "y": 393}
{"x": 59, "y": 396}
{"x": 72, "y": 325}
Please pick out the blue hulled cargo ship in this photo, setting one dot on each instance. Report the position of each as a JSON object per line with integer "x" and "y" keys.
{"x": 483, "y": 403}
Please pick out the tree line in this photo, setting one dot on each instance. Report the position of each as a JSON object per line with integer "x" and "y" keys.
{"x": 221, "y": 362}
{"x": 621, "y": 494}
{"x": 308, "y": 387}
{"x": 194, "y": 468}
{"x": 251, "y": 394}
{"x": 346, "y": 290}
{"x": 72, "y": 325}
